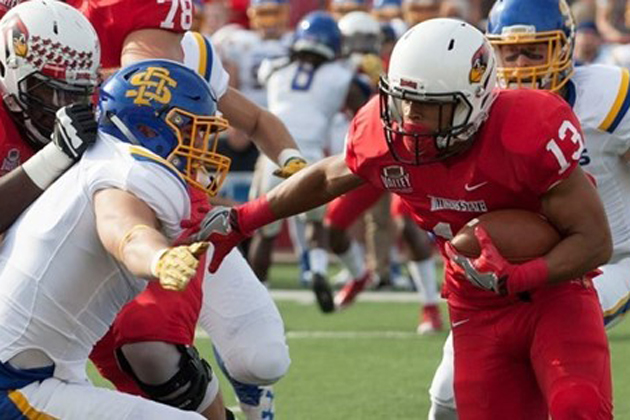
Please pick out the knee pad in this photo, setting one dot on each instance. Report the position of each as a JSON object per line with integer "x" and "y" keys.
{"x": 268, "y": 364}
{"x": 187, "y": 389}
{"x": 263, "y": 365}
{"x": 575, "y": 399}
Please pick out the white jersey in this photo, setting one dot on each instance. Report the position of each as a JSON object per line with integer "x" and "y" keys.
{"x": 600, "y": 97}
{"x": 307, "y": 99}
{"x": 59, "y": 288}
{"x": 247, "y": 50}
{"x": 201, "y": 56}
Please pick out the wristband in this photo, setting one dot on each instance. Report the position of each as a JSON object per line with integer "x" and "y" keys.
{"x": 287, "y": 154}
{"x": 155, "y": 262}
{"x": 254, "y": 214}
{"x": 126, "y": 237}
{"x": 528, "y": 276}
{"x": 46, "y": 165}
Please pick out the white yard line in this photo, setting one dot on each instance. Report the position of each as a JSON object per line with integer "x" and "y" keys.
{"x": 307, "y": 296}
{"x": 351, "y": 335}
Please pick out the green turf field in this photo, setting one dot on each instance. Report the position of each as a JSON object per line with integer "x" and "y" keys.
{"x": 367, "y": 363}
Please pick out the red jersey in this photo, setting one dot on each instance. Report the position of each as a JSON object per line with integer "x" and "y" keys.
{"x": 530, "y": 142}
{"x": 14, "y": 150}
{"x": 114, "y": 20}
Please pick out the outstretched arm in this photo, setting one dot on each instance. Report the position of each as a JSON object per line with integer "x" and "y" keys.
{"x": 129, "y": 230}
{"x": 312, "y": 187}
{"x": 268, "y": 132}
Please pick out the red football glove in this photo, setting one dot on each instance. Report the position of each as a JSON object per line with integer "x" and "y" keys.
{"x": 226, "y": 227}
{"x": 192, "y": 226}
{"x": 490, "y": 271}
{"x": 221, "y": 228}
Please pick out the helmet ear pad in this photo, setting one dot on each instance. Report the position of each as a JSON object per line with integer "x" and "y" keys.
{"x": 159, "y": 138}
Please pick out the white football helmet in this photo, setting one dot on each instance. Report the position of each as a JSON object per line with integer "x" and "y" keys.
{"x": 443, "y": 63}
{"x": 361, "y": 33}
{"x": 49, "y": 57}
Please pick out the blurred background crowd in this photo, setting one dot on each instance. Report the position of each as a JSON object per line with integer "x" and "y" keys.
{"x": 250, "y": 34}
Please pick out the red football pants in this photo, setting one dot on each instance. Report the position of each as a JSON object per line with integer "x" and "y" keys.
{"x": 532, "y": 359}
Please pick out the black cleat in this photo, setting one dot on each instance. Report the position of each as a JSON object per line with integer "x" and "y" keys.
{"x": 323, "y": 293}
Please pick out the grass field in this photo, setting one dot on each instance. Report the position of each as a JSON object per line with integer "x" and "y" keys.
{"x": 368, "y": 363}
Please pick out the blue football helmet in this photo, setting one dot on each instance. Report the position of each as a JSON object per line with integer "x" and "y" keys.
{"x": 542, "y": 31}
{"x": 386, "y": 10}
{"x": 318, "y": 33}
{"x": 168, "y": 109}
{"x": 269, "y": 16}
{"x": 339, "y": 8}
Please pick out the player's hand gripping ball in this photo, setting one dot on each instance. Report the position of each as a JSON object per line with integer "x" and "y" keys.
{"x": 519, "y": 235}
{"x": 499, "y": 251}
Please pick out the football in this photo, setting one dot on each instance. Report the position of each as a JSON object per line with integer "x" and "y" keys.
{"x": 519, "y": 235}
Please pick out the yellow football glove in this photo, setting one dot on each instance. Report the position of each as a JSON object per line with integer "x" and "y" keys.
{"x": 372, "y": 66}
{"x": 290, "y": 167}
{"x": 174, "y": 267}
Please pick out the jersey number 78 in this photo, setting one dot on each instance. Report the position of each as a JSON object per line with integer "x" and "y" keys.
{"x": 185, "y": 15}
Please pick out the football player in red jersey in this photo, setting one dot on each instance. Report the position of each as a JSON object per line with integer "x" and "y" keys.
{"x": 40, "y": 54}
{"x": 529, "y": 338}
